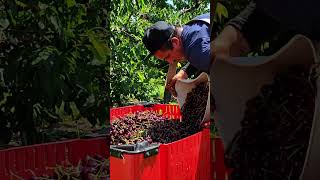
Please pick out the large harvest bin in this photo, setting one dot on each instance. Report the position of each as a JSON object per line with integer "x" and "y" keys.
{"x": 40, "y": 159}
{"x": 187, "y": 159}
{"x": 218, "y": 168}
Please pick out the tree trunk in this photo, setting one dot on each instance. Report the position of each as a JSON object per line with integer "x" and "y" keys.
{"x": 24, "y": 115}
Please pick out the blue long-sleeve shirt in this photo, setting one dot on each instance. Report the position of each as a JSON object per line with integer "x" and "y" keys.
{"x": 196, "y": 43}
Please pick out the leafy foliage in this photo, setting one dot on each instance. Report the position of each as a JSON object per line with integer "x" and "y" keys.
{"x": 53, "y": 53}
{"x": 131, "y": 78}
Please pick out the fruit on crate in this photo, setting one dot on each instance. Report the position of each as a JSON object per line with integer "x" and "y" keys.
{"x": 150, "y": 126}
{"x": 274, "y": 137}
{"x": 133, "y": 127}
{"x": 195, "y": 105}
{"x": 89, "y": 168}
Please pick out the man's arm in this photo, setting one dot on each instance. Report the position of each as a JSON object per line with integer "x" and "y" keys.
{"x": 230, "y": 42}
{"x": 244, "y": 33}
{"x": 189, "y": 69}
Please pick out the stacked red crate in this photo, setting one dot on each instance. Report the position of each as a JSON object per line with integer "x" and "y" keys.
{"x": 40, "y": 159}
{"x": 187, "y": 159}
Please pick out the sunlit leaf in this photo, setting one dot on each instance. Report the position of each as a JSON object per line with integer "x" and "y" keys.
{"x": 21, "y": 4}
{"x": 140, "y": 75}
{"x": 100, "y": 49}
{"x": 221, "y": 11}
{"x": 71, "y": 3}
{"x": 54, "y": 21}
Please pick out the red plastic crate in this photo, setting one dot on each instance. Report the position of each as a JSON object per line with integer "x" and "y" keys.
{"x": 219, "y": 170}
{"x": 186, "y": 159}
{"x": 167, "y": 110}
{"x": 23, "y": 161}
{"x": 135, "y": 167}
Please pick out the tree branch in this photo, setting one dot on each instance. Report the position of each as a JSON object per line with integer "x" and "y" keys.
{"x": 134, "y": 38}
{"x": 196, "y": 6}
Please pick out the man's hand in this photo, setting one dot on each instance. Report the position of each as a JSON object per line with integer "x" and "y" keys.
{"x": 171, "y": 84}
{"x": 229, "y": 43}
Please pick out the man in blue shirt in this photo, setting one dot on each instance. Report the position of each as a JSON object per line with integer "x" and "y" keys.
{"x": 190, "y": 42}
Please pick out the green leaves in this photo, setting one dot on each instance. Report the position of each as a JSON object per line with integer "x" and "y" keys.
{"x": 21, "y": 4}
{"x": 70, "y": 3}
{"x": 4, "y": 23}
{"x": 11, "y": 18}
{"x": 100, "y": 50}
{"x": 44, "y": 54}
{"x": 221, "y": 11}
{"x": 54, "y": 52}
{"x": 42, "y": 6}
{"x": 140, "y": 76}
{"x": 131, "y": 78}
{"x": 54, "y": 22}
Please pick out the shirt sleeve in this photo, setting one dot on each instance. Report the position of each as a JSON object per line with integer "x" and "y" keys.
{"x": 199, "y": 54}
{"x": 189, "y": 69}
{"x": 255, "y": 25}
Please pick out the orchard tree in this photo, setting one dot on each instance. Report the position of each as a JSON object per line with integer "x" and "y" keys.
{"x": 53, "y": 54}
